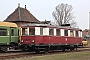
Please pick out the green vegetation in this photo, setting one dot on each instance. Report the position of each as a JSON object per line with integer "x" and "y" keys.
{"x": 67, "y": 56}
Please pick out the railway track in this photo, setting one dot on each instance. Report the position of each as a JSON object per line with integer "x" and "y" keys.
{"x": 18, "y": 54}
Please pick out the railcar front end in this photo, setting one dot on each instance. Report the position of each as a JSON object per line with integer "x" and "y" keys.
{"x": 8, "y": 35}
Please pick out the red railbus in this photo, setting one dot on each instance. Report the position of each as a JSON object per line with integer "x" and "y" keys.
{"x": 37, "y": 37}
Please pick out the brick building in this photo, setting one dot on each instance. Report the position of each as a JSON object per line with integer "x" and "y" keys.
{"x": 85, "y": 33}
{"x": 21, "y": 16}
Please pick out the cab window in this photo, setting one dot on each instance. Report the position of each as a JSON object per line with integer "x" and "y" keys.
{"x": 24, "y": 31}
{"x": 31, "y": 31}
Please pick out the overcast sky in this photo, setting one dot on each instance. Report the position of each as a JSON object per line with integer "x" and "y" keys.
{"x": 42, "y": 9}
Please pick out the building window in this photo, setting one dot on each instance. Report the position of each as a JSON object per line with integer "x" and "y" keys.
{"x": 66, "y": 32}
{"x": 3, "y": 32}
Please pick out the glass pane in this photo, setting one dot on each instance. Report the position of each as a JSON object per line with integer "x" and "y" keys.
{"x": 76, "y": 33}
{"x": 71, "y": 33}
{"x": 66, "y": 32}
{"x": 51, "y": 32}
{"x": 3, "y": 32}
{"x": 31, "y": 31}
{"x": 58, "y": 32}
{"x": 12, "y": 32}
{"x": 24, "y": 31}
{"x": 41, "y": 31}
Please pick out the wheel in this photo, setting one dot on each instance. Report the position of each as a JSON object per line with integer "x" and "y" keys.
{"x": 46, "y": 50}
{"x": 37, "y": 50}
{"x": 72, "y": 48}
{"x": 4, "y": 49}
{"x": 63, "y": 49}
{"x": 23, "y": 48}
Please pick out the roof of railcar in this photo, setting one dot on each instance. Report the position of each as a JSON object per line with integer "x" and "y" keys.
{"x": 48, "y": 25}
{"x": 8, "y": 24}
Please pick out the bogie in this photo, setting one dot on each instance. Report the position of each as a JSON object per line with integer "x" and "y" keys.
{"x": 4, "y": 48}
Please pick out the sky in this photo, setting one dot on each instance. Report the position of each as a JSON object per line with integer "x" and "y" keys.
{"x": 42, "y": 9}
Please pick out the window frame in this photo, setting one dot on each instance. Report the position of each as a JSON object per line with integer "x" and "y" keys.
{"x": 51, "y": 31}
{"x": 3, "y": 31}
{"x": 65, "y": 32}
{"x": 58, "y": 32}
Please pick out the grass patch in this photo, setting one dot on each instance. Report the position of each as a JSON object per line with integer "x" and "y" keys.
{"x": 67, "y": 56}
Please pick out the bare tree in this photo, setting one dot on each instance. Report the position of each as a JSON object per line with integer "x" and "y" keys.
{"x": 63, "y": 15}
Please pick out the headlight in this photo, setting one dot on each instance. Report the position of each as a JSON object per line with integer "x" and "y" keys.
{"x": 7, "y": 43}
{"x": 33, "y": 41}
{"x": 21, "y": 40}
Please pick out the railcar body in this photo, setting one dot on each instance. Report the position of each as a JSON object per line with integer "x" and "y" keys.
{"x": 48, "y": 37}
{"x": 8, "y": 35}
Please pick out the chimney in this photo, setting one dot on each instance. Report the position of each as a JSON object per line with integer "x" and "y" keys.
{"x": 18, "y": 4}
{"x": 25, "y": 6}
{"x": 19, "y": 11}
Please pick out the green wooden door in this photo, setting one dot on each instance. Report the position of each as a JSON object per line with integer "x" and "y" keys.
{"x": 14, "y": 35}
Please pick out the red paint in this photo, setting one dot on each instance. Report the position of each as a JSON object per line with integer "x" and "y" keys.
{"x": 50, "y": 40}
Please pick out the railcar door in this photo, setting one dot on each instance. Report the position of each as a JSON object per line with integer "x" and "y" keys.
{"x": 14, "y": 35}
{"x": 11, "y": 34}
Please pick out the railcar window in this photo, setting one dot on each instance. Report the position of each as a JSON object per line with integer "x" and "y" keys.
{"x": 24, "y": 31}
{"x": 51, "y": 31}
{"x": 66, "y": 32}
{"x": 77, "y": 34}
{"x": 12, "y": 32}
{"x": 31, "y": 31}
{"x": 3, "y": 32}
{"x": 71, "y": 33}
{"x": 58, "y": 32}
{"x": 41, "y": 31}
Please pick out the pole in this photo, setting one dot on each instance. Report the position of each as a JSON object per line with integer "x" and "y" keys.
{"x": 89, "y": 20}
{"x": 89, "y": 29}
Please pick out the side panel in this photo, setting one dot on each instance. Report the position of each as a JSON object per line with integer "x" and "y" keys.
{"x": 39, "y": 40}
{"x": 54, "y": 40}
{"x": 7, "y": 35}
{"x": 37, "y": 30}
{"x": 4, "y": 40}
{"x": 45, "y": 31}
{"x": 54, "y": 32}
{"x": 51, "y": 40}
{"x": 29, "y": 39}
{"x": 62, "y": 32}
{"x": 61, "y": 40}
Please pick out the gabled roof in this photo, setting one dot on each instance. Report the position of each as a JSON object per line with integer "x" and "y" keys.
{"x": 21, "y": 15}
